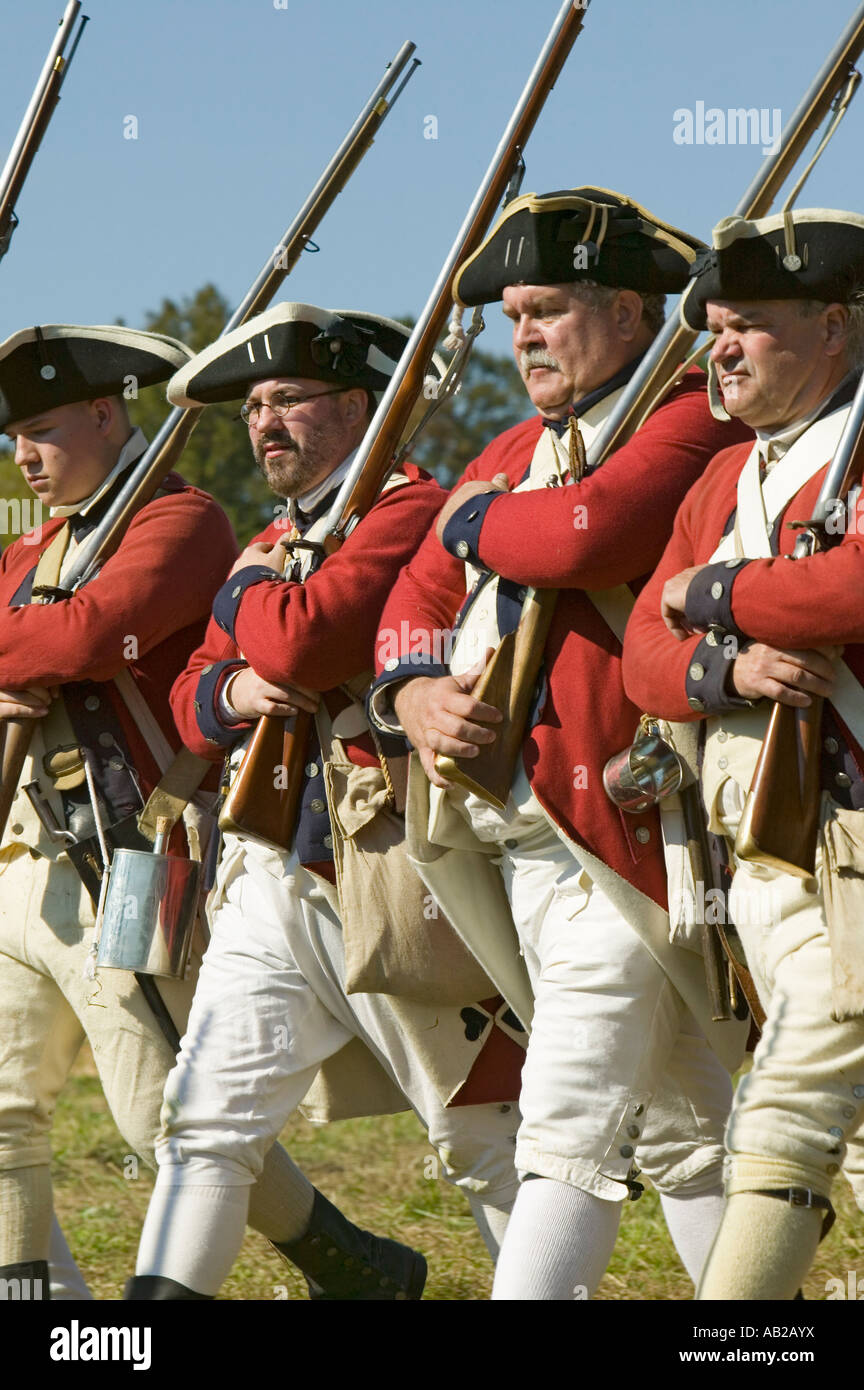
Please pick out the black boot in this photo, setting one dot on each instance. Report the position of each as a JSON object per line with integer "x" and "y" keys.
{"x": 342, "y": 1262}
{"x": 149, "y": 1287}
{"x": 26, "y": 1282}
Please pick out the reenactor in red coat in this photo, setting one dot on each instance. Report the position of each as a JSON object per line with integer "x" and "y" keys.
{"x": 92, "y": 673}
{"x": 272, "y": 1007}
{"x": 729, "y": 624}
{"x": 616, "y": 1061}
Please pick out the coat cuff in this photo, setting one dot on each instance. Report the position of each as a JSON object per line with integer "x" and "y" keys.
{"x": 228, "y": 599}
{"x": 206, "y": 704}
{"x": 461, "y": 535}
{"x": 379, "y": 709}
{"x": 708, "y": 602}
{"x": 708, "y": 682}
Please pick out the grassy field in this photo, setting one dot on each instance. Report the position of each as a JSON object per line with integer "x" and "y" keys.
{"x": 376, "y": 1171}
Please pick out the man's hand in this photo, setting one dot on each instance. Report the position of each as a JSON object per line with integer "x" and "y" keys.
{"x": 784, "y": 676}
{"x": 252, "y": 696}
{"x": 673, "y": 600}
{"x": 30, "y": 703}
{"x": 439, "y": 715}
{"x": 457, "y": 499}
{"x": 260, "y": 553}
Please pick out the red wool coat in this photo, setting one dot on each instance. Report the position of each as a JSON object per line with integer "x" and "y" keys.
{"x": 318, "y": 634}
{"x": 812, "y": 602}
{"x": 155, "y": 593}
{"x": 531, "y": 538}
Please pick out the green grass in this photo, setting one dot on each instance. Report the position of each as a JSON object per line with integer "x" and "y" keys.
{"x": 376, "y": 1170}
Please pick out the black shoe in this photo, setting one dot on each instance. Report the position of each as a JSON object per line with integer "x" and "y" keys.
{"x": 342, "y": 1262}
{"x": 149, "y": 1287}
{"x": 26, "y": 1282}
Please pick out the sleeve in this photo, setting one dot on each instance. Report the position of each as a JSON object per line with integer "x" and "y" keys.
{"x": 322, "y": 633}
{"x": 611, "y": 527}
{"x": 662, "y": 676}
{"x": 161, "y": 580}
{"x": 811, "y": 602}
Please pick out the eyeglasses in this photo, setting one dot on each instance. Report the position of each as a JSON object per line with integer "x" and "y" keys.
{"x": 281, "y": 404}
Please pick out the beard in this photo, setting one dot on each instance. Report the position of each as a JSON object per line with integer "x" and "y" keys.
{"x": 300, "y": 467}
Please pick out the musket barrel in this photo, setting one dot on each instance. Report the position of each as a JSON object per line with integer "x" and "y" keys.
{"x": 385, "y": 430}
{"x": 675, "y": 340}
{"x": 56, "y": 50}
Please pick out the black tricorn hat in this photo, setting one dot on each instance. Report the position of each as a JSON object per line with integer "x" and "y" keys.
{"x": 807, "y": 253}
{"x": 341, "y": 347}
{"x": 577, "y": 234}
{"x": 60, "y": 363}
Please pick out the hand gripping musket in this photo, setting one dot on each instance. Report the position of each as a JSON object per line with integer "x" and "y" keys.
{"x": 509, "y": 679}
{"x": 45, "y": 97}
{"x": 165, "y": 450}
{"x": 255, "y": 806}
{"x": 780, "y": 824}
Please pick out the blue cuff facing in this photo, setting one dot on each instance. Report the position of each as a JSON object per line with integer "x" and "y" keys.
{"x": 709, "y": 682}
{"x": 709, "y": 597}
{"x": 228, "y": 599}
{"x": 462, "y": 533}
{"x": 206, "y": 705}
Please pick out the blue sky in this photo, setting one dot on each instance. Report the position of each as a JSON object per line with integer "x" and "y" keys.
{"x": 240, "y": 105}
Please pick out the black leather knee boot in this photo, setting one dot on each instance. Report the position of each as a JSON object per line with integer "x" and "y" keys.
{"x": 342, "y": 1262}
{"x": 150, "y": 1287}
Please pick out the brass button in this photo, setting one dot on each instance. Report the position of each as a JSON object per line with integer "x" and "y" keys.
{"x": 695, "y": 703}
{"x": 711, "y": 638}
{"x": 733, "y": 564}
{"x": 723, "y": 763}
{"x": 717, "y": 590}
{"x": 116, "y": 764}
{"x": 831, "y": 745}
{"x": 311, "y": 769}
{"x": 206, "y": 669}
{"x": 17, "y": 829}
{"x": 391, "y": 664}
{"x": 697, "y": 671}
{"x": 633, "y": 1131}
{"x": 643, "y": 834}
{"x": 317, "y": 806}
{"x": 832, "y": 1169}
{"x": 858, "y": 1092}
{"x": 836, "y": 1131}
{"x": 637, "y": 1109}
{"x": 843, "y": 779}
{"x": 328, "y": 841}
{"x": 92, "y": 702}
{"x": 722, "y": 736}
{"x": 237, "y": 591}
{"x": 848, "y": 1112}
{"x": 511, "y": 844}
{"x": 626, "y": 1151}
{"x": 462, "y": 549}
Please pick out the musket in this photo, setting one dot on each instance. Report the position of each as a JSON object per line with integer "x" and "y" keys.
{"x": 509, "y": 680}
{"x": 780, "y": 823}
{"x": 167, "y": 446}
{"x": 46, "y": 95}
{"x": 259, "y": 805}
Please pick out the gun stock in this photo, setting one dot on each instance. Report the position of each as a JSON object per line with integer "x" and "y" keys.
{"x": 264, "y": 797}
{"x": 780, "y": 824}
{"x": 507, "y": 683}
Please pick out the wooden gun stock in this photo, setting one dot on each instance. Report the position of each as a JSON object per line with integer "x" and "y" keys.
{"x": 17, "y": 734}
{"x": 508, "y": 684}
{"x": 264, "y": 798}
{"x": 780, "y": 824}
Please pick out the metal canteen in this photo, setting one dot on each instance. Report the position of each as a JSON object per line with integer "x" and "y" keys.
{"x": 643, "y": 774}
{"x": 150, "y": 910}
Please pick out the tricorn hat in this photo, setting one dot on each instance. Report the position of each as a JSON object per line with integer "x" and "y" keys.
{"x": 806, "y": 253}
{"x": 59, "y": 363}
{"x": 577, "y": 234}
{"x": 341, "y": 347}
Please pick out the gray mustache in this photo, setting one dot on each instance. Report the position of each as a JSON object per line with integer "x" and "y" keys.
{"x": 537, "y": 357}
